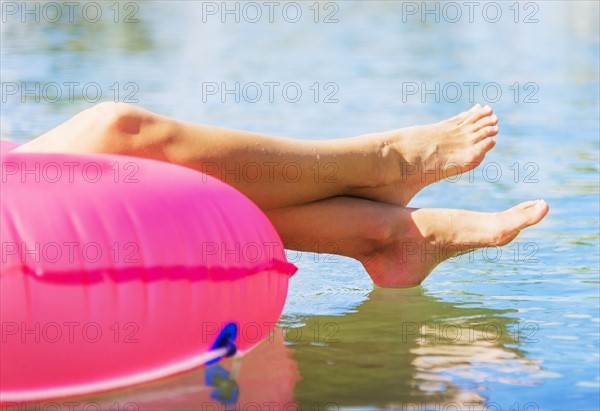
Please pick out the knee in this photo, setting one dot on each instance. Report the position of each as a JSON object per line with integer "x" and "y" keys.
{"x": 119, "y": 119}
{"x": 121, "y": 128}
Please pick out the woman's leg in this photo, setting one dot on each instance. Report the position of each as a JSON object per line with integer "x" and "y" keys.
{"x": 398, "y": 246}
{"x": 277, "y": 172}
{"x": 301, "y": 184}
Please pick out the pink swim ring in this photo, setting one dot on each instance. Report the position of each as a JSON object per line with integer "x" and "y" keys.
{"x": 116, "y": 271}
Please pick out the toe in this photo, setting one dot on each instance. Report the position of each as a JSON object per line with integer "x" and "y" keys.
{"x": 488, "y": 131}
{"x": 461, "y": 117}
{"x": 465, "y": 116}
{"x": 528, "y": 213}
{"x": 485, "y": 145}
{"x": 525, "y": 205}
{"x": 485, "y": 122}
{"x": 519, "y": 217}
{"x": 478, "y": 114}
{"x": 537, "y": 212}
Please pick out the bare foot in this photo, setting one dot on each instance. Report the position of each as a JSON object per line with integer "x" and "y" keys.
{"x": 423, "y": 238}
{"x": 421, "y": 155}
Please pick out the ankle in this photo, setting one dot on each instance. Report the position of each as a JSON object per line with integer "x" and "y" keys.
{"x": 388, "y": 159}
{"x": 377, "y": 157}
{"x": 384, "y": 231}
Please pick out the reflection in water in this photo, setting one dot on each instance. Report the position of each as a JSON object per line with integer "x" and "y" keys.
{"x": 403, "y": 347}
{"x": 435, "y": 353}
{"x": 263, "y": 379}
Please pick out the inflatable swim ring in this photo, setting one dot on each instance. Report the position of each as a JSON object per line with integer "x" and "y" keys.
{"x": 116, "y": 271}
